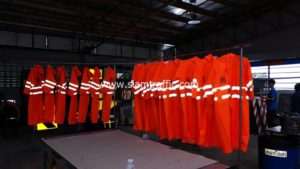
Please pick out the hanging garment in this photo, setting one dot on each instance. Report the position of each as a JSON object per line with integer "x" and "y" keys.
{"x": 149, "y": 109}
{"x": 222, "y": 113}
{"x": 162, "y": 130}
{"x": 72, "y": 92}
{"x": 84, "y": 95}
{"x": 171, "y": 101}
{"x": 137, "y": 90}
{"x": 34, "y": 88}
{"x": 184, "y": 74}
{"x": 233, "y": 71}
{"x": 95, "y": 91}
{"x": 107, "y": 91}
{"x": 60, "y": 96}
{"x": 205, "y": 100}
{"x": 49, "y": 102}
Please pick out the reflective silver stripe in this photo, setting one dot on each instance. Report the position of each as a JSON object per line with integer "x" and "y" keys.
{"x": 207, "y": 87}
{"x": 84, "y": 88}
{"x": 226, "y": 96}
{"x": 37, "y": 87}
{"x": 174, "y": 87}
{"x": 72, "y": 88}
{"x": 182, "y": 95}
{"x": 173, "y": 95}
{"x": 74, "y": 85}
{"x": 63, "y": 92}
{"x": 215, "y": 98}
{"x": 109, "y": 92}
{"x": 27, "y": 86}
{"x": 175, "y": 82}
{"x": 238, "y": 88}
{"x": 207, "y": 93}
{"x": 236, "y": 96}
{"x": 106, "y": 86}
{"x": 106, "y": 82}
{"x": 198, "y": 97}
{"x": 35, "y": 93}
{"x": 96, "y": 88}
{"x": 188, "y": 87}
{"x": 189, "y": 94}
{"x": 95, "y": 84}
{"x": 85, "y": 84}
{"x": 249, "y": 83}
{"x": 50, "y": 82}
{"x": 52, "y": 87}
{"x": 221, "y": 88}
{"x": 138, "y": 91}
{"x": 29, "y": 83}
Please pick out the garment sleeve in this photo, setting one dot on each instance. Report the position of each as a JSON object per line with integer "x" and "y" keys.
{"x": 29, "y": 82}
{"x": 50, "y": 81}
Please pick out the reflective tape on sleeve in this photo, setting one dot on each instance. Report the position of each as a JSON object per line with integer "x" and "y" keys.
{"x": 73, "y": 85}
{"x": 50, "y": 82}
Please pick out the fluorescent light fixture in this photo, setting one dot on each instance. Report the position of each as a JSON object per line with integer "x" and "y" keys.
{"x": 194, "y": 19}
{"x": 178, "y": 11}
{"x": 167, "y": 46}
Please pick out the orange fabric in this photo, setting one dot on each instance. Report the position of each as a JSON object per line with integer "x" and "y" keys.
{"x": 207, "y": 124}
{"x": 84, "y": 95}
{"x": 172, "y": 102}
{"x": 222, "y": 113}
{"x": 233, "y": 62}
{"x": 147, "y": 100}
{"x": 33, "y": 88}
{"x": 107, "y": 91}
{"x": 60, "y": 96}
{"x": 72, "y": 92}
{"x": 184, "y": 74}
{"x": 136, "y": 79}
{"x": 95, "y": 91}
{"x": 49, "y": 103}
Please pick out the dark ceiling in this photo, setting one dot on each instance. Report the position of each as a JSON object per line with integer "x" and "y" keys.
{"x": 155, "y": 21}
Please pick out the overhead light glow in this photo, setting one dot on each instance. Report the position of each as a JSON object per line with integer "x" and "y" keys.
{"x": 178, "y": 11}
{"x": 167, "y": 46}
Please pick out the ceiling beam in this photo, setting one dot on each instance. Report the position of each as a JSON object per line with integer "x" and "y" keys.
{"x": 71, "y": 7}
{"x": 71, "y": 19}
{"x": 192, "y": 8}
{"x": 75, "y": 28}
{"x": 141, "y": 9}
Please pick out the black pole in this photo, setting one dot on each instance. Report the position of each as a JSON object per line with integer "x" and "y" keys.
{"x": 240, "y": 108}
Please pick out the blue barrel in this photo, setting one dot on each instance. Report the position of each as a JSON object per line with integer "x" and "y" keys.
{"x": 278, "y": 152}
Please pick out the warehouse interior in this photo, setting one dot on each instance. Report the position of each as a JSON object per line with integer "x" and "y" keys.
{"x": 122, "y": 34}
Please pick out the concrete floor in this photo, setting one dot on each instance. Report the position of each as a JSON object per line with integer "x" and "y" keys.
{"x": 22, "y": 152}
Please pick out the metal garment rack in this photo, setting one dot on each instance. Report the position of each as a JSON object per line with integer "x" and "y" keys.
{"x": 235, "y": 47}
